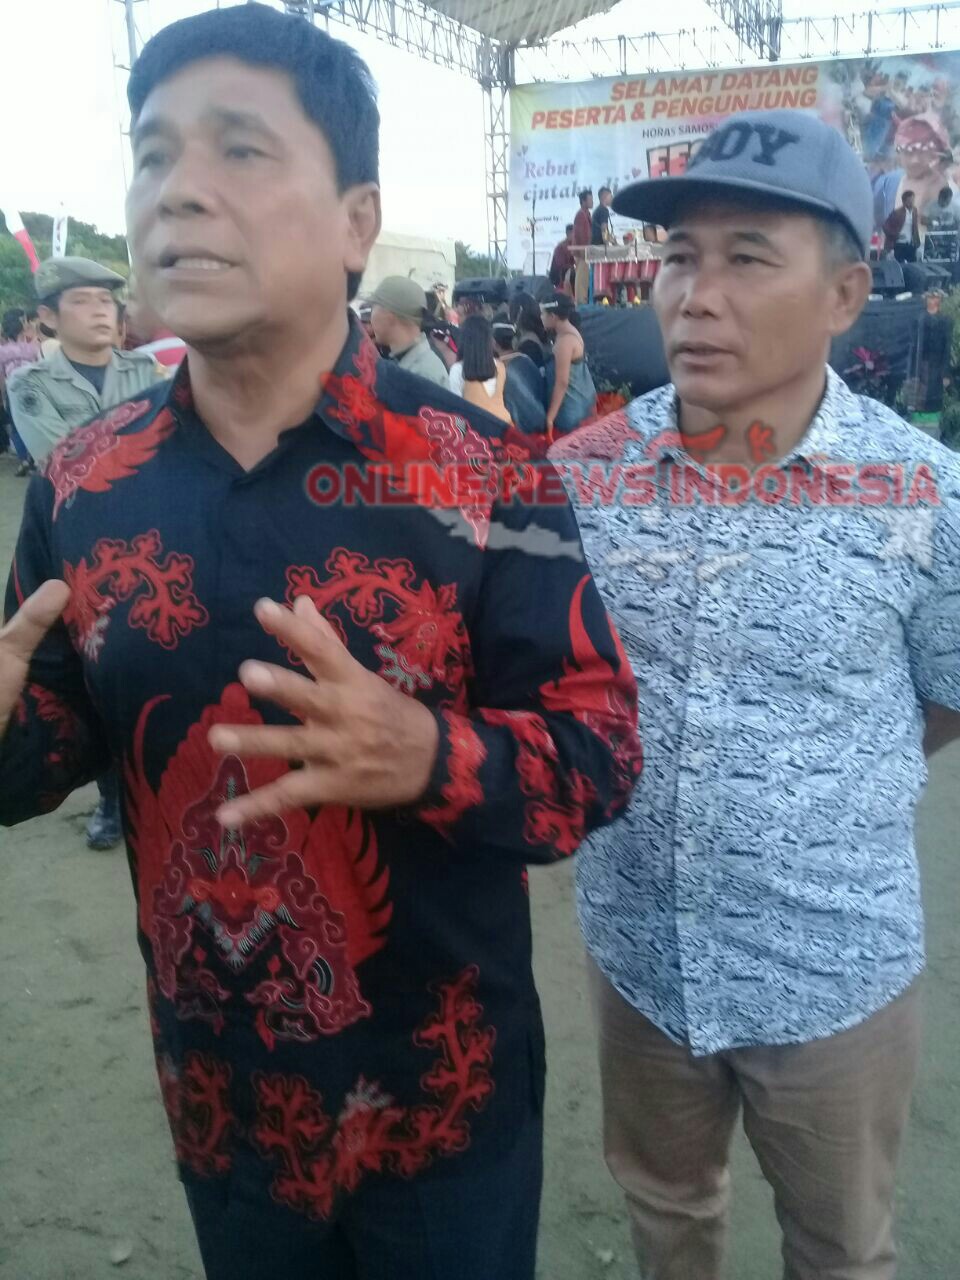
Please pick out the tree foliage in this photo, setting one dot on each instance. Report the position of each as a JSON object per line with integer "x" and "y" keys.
{"x": 83, "y": 241}
{"x": 472, "y": 265}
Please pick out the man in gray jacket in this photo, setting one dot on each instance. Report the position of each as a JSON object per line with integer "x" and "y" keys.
{"x": 399, "y": 306}
{"x": 87, "y": 374}
{"x": 84, "y": 376}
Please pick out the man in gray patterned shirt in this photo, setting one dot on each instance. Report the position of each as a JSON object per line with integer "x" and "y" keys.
{"x": 782, "y": 560}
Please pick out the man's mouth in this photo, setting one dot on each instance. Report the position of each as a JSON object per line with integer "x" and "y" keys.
{"x": 699, "y": 350}
{"x": 174, "y": 260}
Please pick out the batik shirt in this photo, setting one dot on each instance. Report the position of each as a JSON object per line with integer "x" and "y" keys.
{"x": 333, "y": 993}
{"x": 763, "y": 888}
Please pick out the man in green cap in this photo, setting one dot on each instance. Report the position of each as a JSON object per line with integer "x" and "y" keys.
{"x": 87, "y": 375}
{"x": 399, "y": 306}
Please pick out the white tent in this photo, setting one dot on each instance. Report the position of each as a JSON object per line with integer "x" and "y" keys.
{"x": 416, "y": 257}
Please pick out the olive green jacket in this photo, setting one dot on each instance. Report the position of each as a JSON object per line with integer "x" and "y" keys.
{"x": 49, "y": 398}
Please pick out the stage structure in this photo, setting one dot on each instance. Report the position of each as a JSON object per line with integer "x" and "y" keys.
{"x": 503, "y": 43}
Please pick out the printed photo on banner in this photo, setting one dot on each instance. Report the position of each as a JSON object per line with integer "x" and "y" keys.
{"x": 902, "y": 114}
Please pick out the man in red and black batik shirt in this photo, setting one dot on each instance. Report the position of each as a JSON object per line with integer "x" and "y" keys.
{"x": 350, "y": 698}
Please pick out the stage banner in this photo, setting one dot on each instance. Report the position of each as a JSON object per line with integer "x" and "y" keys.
{"x": 901, "y": 114}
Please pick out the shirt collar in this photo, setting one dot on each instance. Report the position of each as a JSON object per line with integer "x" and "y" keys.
{"x": 654, "y": 418}
{"x": 398, "y": 355}
{"x": 347, "y": 392}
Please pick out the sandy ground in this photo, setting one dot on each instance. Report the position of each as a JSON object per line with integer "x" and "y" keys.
{"x": 86, "y": 1168}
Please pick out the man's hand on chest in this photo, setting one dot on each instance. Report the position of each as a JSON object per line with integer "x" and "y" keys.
{"x": 360, "y": 743}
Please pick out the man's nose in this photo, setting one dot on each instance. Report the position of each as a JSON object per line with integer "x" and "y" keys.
{"x": 702, "y": 294}
{"x": 187, "y": 187}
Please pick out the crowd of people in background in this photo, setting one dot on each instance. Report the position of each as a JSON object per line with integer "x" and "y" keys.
{"x": 83, "y": 350}
{"x": 524, "y": 363}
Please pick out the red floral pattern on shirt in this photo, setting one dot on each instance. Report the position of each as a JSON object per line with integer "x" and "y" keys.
{"x": 423, "y": 636}
{"x": 166, "y": 606}
{"x": 308, "y": 892}
{"x": 318, "y": 1157}
{"x": 94, "y": 456}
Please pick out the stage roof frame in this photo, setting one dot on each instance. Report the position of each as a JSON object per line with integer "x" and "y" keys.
{"x": 502, "y": 43}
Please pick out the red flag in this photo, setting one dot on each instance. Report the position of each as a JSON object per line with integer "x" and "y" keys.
{"x": 20, "y": 233}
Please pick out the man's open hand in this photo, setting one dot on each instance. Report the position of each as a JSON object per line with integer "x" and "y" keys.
{"x": 360, "y": 742}
{"x": 19, "y": 640}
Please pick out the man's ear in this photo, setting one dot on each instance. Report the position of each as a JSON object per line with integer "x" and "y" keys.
{"x": 364, "y": 220}
{"x": 47, "y": 317}
{"x": 850, "y": 289}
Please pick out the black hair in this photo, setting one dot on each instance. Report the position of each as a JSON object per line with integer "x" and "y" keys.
{"x": 11, "y": 325}
{"x": 840, "y": 247}
{"x": 333, "y": 84}
{"x": 504, "y": 331}
{"x": 569, "y": 227}
{"x": 907, "y": 193}
{"x": 582, "y": 197}
{"x": 604, "y": 190}
{"x": 477, "y": 353}
{"x": 562, "y": 306}
{"x": 525, "y": 314}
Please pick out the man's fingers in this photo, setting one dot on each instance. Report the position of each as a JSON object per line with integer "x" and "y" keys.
{"x": 38, "y": 613}
{"x": 299, "y": 790}
{"x": 303, "y": 607}
{"x": 300, "y": 695}
{"x": 308, "y": 635}
{"x": 275, "y": 741}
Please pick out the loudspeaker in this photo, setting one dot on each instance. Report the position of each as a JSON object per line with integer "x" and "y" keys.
{"x": 492, "y": 290}
{"x": 921, "y": 276}
{"x": 538, "y": 286}
{"x": 887, "y": 276}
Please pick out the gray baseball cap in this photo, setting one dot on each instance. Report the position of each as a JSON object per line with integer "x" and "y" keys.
{"x": 401, "y": 296}
{"x": 791, "y": 156}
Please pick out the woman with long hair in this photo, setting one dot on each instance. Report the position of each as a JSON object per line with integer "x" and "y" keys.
{"x": 532, "y": 338}
{"x": 571, "y": 394}
{"x": 478, "y": 375}
{"x": 523, "y": 392}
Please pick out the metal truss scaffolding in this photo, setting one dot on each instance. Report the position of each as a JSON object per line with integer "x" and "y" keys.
{"x": 496, "y": 99}
{"x": 748, "y": 30}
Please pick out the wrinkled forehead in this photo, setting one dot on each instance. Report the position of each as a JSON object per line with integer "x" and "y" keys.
{"x": 721, "y": 213}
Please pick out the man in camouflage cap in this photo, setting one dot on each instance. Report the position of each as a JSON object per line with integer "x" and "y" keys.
{"x": 86, "y": 375}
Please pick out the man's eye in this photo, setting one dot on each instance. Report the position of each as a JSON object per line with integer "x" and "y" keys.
{"x": 676, "y": 259}
{"x": 742, "y": 259}
{"x": 239, "y": 152}
{"x": 151, "y": 159}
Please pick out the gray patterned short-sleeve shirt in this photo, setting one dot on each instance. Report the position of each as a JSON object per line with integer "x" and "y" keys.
{"x": 763, "y": 887}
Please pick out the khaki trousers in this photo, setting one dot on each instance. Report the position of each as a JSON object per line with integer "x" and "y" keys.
{"x": 581, "y": 281}
{"x": 825, "y": 1120}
